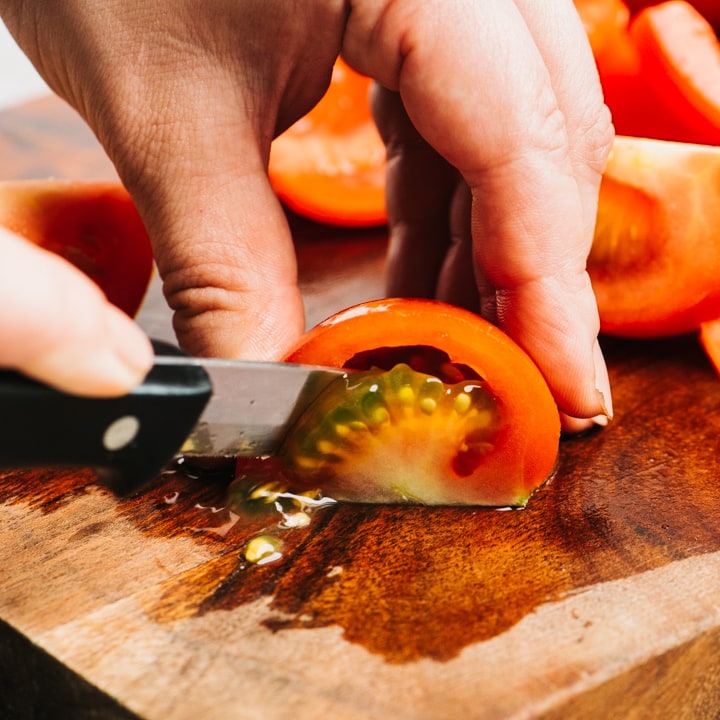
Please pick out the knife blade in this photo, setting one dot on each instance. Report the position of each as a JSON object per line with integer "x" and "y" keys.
{"x": 186, "y": 405}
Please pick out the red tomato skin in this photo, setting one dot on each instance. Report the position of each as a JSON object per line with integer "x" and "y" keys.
{"x": 526, "y": 453}
{"x": 710, "y": 341}
{"x": 679, "y": 72}
{"x": 659, "y": 66}
{"x": 709, "y": 9}
{"x": 93, "y": 225}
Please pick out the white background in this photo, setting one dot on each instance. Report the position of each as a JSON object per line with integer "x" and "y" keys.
{"x": 19, "y": 81}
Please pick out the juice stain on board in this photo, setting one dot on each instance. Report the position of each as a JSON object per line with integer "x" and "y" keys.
{"x": 409, "y": 582}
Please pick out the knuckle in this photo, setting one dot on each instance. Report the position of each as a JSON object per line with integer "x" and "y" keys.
{"x": 595, "y": 137}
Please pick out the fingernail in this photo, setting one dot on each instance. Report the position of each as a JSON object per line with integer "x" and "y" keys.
{"x": 575, "y": 426}
{"x": 602, "y": 383}
{"x": 130, "y": 356}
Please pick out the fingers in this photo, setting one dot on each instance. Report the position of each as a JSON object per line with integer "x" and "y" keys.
{"x": 186, "y": 99}
{"x": 417, "y": 209}
{"x": 220, "y": 237}
{"x": 508, "y": 94}
{"x": 61, "y": 330}
{"x": 223, "y": 249}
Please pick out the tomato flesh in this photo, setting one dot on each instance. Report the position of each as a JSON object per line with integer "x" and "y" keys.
{"x": 655, "y": 259}
{"x": 396, "y": 436}
{"x": 494, "y": 453}
{"x": 330, "y": 165}
{"x": 710, "y": 341}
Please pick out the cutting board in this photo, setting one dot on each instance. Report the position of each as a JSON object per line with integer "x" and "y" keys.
{"x": 601, "y": 599}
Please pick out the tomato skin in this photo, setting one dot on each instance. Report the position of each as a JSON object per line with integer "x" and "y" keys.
{"x": 525, "y": 451}
{"x": 680, "y": 67}
{"x": 93, "y": 225}
{"x": 710, "y": 341}
{"x": 709, "y": 9}
{"x": 655, "y": 260}
{"x": 659, "y": 66}
{"x": 330, "y": 165}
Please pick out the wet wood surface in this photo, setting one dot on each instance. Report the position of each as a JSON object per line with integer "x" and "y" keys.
{"x": 601, "y": 599}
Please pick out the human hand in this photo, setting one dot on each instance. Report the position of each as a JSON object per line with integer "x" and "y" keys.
{"x": 187, "y": 98}
{"x": 497, "y": 136}
{"x": 63, "y": 331}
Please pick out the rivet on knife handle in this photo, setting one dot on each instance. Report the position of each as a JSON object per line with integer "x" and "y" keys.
{"x": 128, "y": 440}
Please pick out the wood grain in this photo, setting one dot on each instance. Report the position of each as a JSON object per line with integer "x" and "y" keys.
{"x": 601, "y": 599}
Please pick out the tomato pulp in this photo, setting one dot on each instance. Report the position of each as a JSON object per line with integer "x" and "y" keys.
{"x": 439, "y": 407}
{"x": 659, "y": 67}
{"x": 330, "y": 165}
{"x": 655, "y": 259}
{"x": 93, "y": 225}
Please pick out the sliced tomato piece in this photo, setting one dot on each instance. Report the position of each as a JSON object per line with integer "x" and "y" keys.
{"x": 607, "y": 23}
{"x": 442, "y": 408}
{"x": 93, "y": 225}
{"x": 709, "y": 9}
{"x": 655, "y": 259}
{"x": 604, "y": 22}
{"x": 680, "y": 65}
{"x": 659, "y": 68}
{"x": 710, "y": 341}
{"x": 330, "y": 165}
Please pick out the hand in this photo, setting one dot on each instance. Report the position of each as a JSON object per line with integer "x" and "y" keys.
{"x": 57, "y": 326}
{"x": 497, "y": 137}
{"x": 186, "y": 99}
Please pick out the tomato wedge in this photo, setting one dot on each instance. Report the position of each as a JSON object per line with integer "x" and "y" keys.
{"x": 710, "y": 341}
{"x": 709, "y": 9}
{"x": 93, "y": 225}
{"x": 441, "y": 407}
{"x": 655, "y": 259}
{"x": 604, "y": 22}
{"x": 330, "y": 165}
{"x": 659, "y": 67}
{"x": 680, "y": 64}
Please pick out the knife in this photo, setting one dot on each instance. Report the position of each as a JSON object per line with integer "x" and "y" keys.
{"x": 185, "y": 406}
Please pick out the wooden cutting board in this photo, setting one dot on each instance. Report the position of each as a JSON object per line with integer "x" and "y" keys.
{"x": 600, "y": 600}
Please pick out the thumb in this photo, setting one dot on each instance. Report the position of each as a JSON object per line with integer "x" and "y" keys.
{"x": 60, "y": 329}
{"x": 220, "y": 237}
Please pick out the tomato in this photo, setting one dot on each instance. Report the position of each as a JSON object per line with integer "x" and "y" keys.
{"x": 680, "y": 64}
{"x": 710, "y": 341}
{"x": 93, "y": 225}
{"x": 659, "y": 68}
{"x": 709, "y": 9}
{"x": 655, "y": 259}
{"x": 330, "y": 165}
{"x": 604, "y": 22}
{"x": 441, "y": 407}
{"x": 607, "y": 23}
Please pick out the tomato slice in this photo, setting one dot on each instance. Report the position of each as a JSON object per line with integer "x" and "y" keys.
{"x": 709, "y": 9}
{"x": 607, "y": 23}
{"x": 604, "y": 22}
{"x": 93, "y": 225}
{"x": 330, "y": 165}
{"x": 659, "y": 67}
{"x": 655, "y": 259}
{"x": 710, "y": 341}
{"x": 443, "y": 408}
{"x": 680, "y": 66}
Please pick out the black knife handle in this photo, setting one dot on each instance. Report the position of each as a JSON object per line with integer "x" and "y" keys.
{"x": 127, "y": 440}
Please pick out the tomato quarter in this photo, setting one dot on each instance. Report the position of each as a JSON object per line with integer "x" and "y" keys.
{"x": 330, "y": 165}
{"x": 710, "y": 340}
{"x": 93, "y": 225}
{"x": 655, "y": 259}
